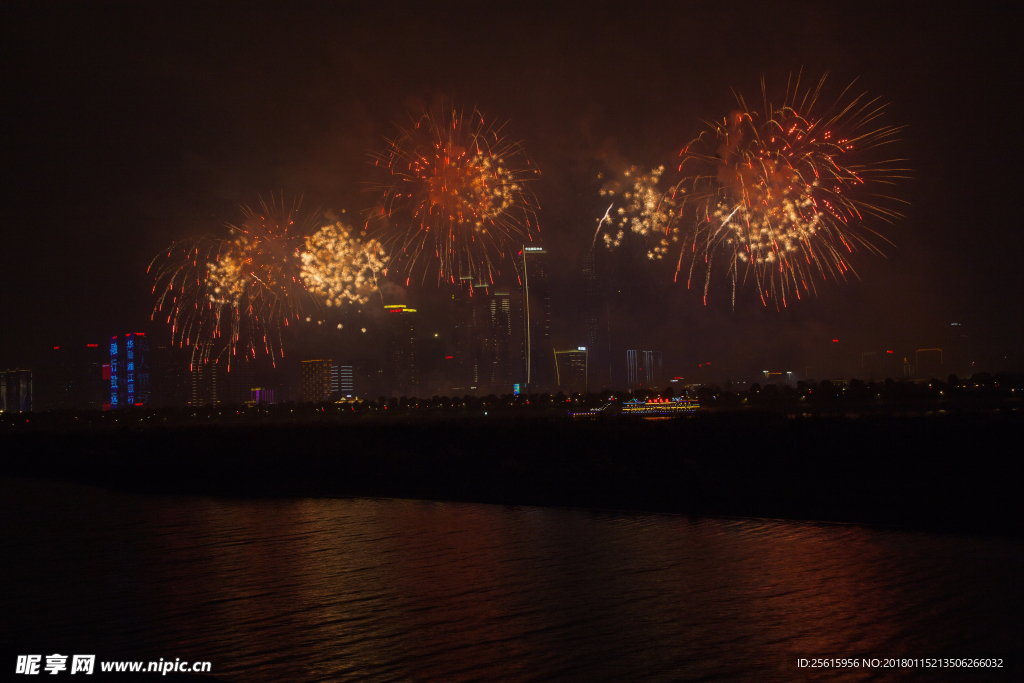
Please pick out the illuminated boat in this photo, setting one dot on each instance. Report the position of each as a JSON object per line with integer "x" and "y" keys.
{"x": 659, "y": 407}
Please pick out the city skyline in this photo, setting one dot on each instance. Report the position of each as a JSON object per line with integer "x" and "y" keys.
{"x": 483, "y": 352}
{"x": 105, "y": 209}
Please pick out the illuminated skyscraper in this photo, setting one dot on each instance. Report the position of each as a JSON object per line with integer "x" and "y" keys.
{"x": 319, "y": 380}
{"x": 467, "y": 334}
{"x": 207, "y": 384}
{"x": 129, "y": 371}
{"x": 643, "y": 369}
{"x": 400, "y": 374}
{"x": 487, "y": 338}
{"x": 346, "y": 380}
{"x": 504, "y": 342}
{"x": 537, "y": 319}
{"x": 571, "y": 367}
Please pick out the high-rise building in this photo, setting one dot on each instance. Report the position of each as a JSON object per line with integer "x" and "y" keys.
{"x": 346, "y": 380}
{"x": 467, "y": 334}
{"x": 71, "y": 378}
{"x": 207, "y": 384}
{"x": 400, "y": 367}
{"x": 170, "y": 376}
{"x": 571, "y": 368}
{"x": 537, "y": 319}
{"x": 643, "y": 369}
{"x": 319, "y": 380}
{"x": 241, "y": 378}
{"x": 260, "y": 396}
{"x": 487, "y": 339}
{"x": 129, "y": 371}
{"x": 595, "y": 319}
{"x": 504, "y": 340}
{"x": 16, "y": 391}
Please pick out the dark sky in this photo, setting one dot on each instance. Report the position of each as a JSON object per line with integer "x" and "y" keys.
{"x": 128, "y": 126}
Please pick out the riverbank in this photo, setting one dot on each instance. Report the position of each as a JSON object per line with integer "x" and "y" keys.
{"x": 957, "y": 473}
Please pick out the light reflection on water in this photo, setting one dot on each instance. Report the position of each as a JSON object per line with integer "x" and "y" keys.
{"x": 379, "y": 590}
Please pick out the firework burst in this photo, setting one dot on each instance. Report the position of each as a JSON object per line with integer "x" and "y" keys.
{"x": 338, "y": 268}
{"x": 782, "y": 195}
{"x": 457, "y": 197}
{"x": 643, "y": 209}
{"x": 225, "y": 295}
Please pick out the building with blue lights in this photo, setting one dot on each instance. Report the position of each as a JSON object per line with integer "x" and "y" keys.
{"x": 129, "y": 371}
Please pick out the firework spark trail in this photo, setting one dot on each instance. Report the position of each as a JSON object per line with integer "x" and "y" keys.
{"x": 782, "y": 193}
{"x": 457, "y": 197}
{"x": 601, "y": 222}
{"x": 225, "y": 295}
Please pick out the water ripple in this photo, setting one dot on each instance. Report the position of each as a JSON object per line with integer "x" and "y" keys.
{"x": 396, "y": 590}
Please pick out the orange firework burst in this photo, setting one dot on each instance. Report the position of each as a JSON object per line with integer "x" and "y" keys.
{"x": 457, "y": 196}
{"x": 241, "y": 289}
{"x": 783, "y": 194}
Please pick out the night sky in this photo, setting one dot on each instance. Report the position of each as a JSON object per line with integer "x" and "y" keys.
{"x": 127, "y": 127}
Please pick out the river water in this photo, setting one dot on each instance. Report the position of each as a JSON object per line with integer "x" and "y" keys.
{"x": 398, "y": 590}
